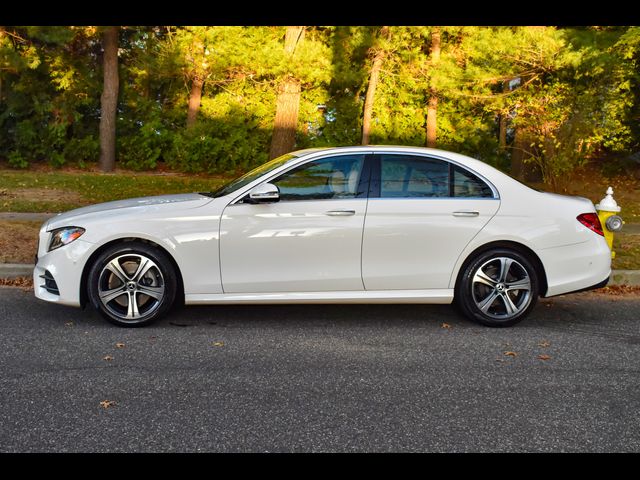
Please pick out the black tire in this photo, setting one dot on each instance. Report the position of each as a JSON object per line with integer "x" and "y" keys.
{"x": 488, "y": 295}
{"x": 138, "y": 293}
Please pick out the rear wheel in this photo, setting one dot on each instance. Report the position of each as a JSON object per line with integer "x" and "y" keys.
{"x": 132, "y": 284}
{"x": 498, "y": 288}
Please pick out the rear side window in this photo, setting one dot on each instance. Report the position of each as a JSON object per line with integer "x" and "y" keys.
{"x": 466, "y": 184}
{"x": 412, "y": 176}
{"x": 406, "y": 176}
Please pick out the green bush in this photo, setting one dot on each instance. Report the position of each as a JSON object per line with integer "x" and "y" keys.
{"x": 81, "y": 150}
{"x": 16, "y": 159}
{"x": 142, "y": 148}
{"x": 217, "y": 147}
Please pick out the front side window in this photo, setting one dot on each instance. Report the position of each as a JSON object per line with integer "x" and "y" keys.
{"x": 328, "y": 178}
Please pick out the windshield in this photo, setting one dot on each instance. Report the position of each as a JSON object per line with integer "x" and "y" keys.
{"x": 251, "y": 176}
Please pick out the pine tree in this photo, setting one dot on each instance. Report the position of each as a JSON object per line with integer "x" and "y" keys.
{"x": 109, "y": 99}
{"x": 288, "y": 102}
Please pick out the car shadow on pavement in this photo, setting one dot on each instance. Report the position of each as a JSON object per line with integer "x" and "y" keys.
{"x": 238, "y": 316}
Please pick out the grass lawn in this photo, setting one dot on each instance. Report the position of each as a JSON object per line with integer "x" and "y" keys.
{"x": 627, "y": 248}
{"x": 58, "y": 191}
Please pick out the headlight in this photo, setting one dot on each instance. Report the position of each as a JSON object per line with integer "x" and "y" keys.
{"x": 64, "y": 236}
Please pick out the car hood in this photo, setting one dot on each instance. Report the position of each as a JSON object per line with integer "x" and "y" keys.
{"x": 166, "y": 203}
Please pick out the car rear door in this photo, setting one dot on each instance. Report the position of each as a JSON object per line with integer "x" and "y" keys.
{"x": 421, "y": 214}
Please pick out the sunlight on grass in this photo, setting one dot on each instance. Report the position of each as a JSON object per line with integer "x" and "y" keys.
{"x": 61, "y": 191}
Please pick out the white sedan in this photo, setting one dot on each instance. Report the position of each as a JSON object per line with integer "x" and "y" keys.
{"x": 335, "y": 225}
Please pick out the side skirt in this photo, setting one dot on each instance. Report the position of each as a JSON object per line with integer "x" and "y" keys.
{"x": 442, "y": 296}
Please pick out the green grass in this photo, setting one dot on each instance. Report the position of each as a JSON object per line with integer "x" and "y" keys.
{"x": 627, "y": 248}
{"x": 41, "y": 191}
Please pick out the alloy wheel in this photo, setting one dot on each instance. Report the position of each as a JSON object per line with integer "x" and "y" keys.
{"x": 131, "y": 287}
{"x": 501, "y": 288}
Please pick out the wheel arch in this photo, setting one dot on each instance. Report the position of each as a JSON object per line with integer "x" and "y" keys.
{"x": 87, "y": 266}
{"x": 507, "y": 244}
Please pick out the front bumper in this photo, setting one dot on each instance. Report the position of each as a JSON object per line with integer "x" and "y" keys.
{"x": 63, "y": 268}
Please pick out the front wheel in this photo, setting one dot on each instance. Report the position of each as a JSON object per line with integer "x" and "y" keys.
{"x": 132, "y": 284}
{"x": 498, "y": 288}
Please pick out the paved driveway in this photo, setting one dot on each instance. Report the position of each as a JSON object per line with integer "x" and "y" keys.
{"x": 321, "y": 378}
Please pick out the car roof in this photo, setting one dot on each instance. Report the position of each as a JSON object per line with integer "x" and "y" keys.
{"x": 374, "y": 148}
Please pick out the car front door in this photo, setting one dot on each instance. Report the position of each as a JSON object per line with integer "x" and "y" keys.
{"x": 308, "y": 241}
{"x": 422, "y": 212}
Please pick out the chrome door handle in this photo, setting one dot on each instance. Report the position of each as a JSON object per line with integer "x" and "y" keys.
{"x": 466, "y": 214}
{"x": 340, "y": 213}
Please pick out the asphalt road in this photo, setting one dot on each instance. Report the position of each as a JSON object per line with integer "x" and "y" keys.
{"x": 321, "y": 378}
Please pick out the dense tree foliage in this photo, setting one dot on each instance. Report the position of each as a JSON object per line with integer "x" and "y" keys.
{"x": 532, "y": 100}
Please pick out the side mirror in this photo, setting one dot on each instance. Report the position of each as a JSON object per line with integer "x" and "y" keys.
{"x": 264, "y": 193}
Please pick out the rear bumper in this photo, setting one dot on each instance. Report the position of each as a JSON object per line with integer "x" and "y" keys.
{"x": 594, "y": 287}
{"x": 575, "y": 268}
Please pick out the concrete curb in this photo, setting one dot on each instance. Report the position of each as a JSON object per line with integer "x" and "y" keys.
{"x": 14, "y": 270}
{"x": 26, "y": 216}
{"x": 625, "y": 277}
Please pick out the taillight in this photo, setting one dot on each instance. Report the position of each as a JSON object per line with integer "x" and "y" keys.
{"x": 591, "y": 221}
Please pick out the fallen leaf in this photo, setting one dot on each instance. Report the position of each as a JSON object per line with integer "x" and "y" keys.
{"x": 107, "y": 403}
{"x": 544, "y": 357}
{"x": 445, "y": 325}
{"x": 119, "y": 345}
{"x": 544, "y": 344}
{"x": 108, "y": 358}
{"x": 511, "y": 354}
{"x": 218, "y": 344}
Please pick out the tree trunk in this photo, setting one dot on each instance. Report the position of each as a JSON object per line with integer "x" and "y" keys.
{"x": 518, "y": 155}
{"x": 432, "y": 106}
{"x": 521, "y": 168}
{"x": 292, "y": 37}
{"x": 1, "y": 37}
{"x": 194, "y": 100}
{"x": 286, "y": 121}
{"x": 109, "y": 100}
{"x": 502, "y": 124}
{"x": 502, "y": 134}
{"x": 197, "y": 75}
{"x": 432, "y": 112}
{"x": 288, "y": 102}
{"x": 371, "y": 93}
{"x": 374, "y": 75}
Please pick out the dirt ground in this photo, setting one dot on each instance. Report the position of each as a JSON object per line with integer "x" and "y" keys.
{"x": 18, "y": 241}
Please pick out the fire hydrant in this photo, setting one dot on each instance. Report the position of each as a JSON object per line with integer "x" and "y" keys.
{"x": 607, "y": 210}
